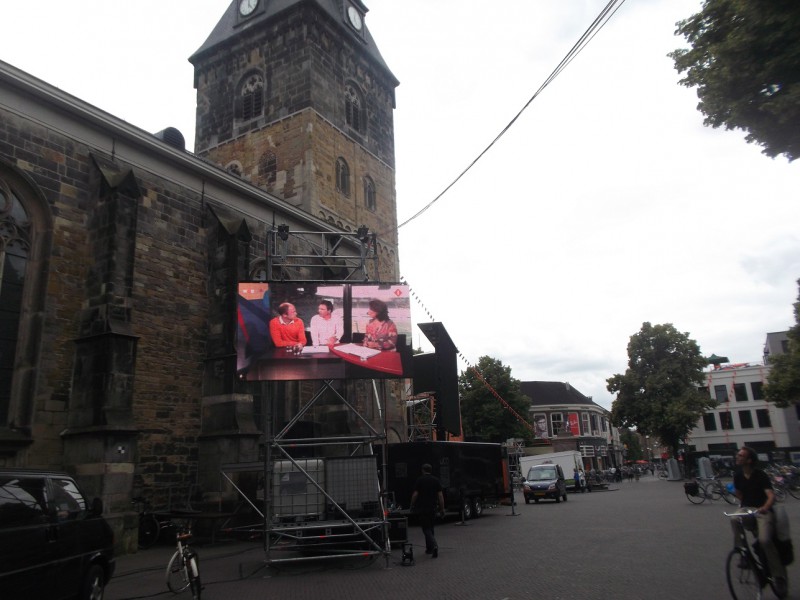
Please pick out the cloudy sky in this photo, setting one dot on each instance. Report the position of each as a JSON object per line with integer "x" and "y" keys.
{"x": 605, "y": 205}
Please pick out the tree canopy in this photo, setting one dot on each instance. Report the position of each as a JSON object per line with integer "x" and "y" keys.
{"x": 485, "y": 417}
{"x": 783, "y": 386}
{"x": 745, "y": 63}
{"x": 658, "y": 393}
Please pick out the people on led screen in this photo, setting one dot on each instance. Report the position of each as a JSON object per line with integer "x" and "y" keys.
{"x": 287, "y": 329}
{"x": 326, "y": 327}
{"x": 381, "y": 331}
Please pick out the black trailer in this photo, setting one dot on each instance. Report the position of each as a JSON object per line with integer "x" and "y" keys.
{"x": 472, "y": 474}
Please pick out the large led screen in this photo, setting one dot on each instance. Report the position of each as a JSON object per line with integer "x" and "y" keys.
{"x": 291, "y": 331}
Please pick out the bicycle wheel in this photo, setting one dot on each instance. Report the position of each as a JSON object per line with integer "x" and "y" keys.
{"x": 729, "y": 496}
{"x": 699, "y": 498}
{"x": 713, "y": 491}
{"x": 149, "y": 529}
{"x": 794, "y": 490}
{"x": 742, "y": 576}
{"x": 177, "y": 574}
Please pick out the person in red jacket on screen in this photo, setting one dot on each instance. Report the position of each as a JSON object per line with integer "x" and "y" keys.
{"x": 287, "y": 330}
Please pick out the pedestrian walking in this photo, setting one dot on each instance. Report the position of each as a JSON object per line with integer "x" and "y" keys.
{"x": 425, "y": 499}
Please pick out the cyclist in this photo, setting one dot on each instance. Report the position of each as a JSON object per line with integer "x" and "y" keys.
{"x": 753, "y": 488}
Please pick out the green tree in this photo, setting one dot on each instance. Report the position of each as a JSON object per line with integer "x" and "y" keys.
{"x": 744, "y": 61}
{"x": 783, "y": 385}
{"x": 658, "y": 394}
{"x": 486, "y": 410}
{"x": 633, "y": 449}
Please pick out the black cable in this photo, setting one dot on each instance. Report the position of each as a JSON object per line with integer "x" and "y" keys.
{"x": 600, "y": 21}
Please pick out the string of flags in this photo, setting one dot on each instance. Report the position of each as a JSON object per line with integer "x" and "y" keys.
{"x": 470, "y": 366}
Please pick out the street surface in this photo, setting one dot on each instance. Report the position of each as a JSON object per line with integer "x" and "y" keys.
{"x": 638, "y": 541}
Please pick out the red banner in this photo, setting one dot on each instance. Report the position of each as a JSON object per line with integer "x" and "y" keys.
{"x": 573, "y": 425}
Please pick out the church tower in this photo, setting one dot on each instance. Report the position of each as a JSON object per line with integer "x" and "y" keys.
{"x": 294, "y": 96}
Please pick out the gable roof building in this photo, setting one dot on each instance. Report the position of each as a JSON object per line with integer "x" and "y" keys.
{"x": 566, "y": 419}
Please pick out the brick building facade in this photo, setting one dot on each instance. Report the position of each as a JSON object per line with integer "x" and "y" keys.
{"x": 121, "y": 252}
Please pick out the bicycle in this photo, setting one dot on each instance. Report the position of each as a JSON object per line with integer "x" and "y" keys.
{"x": 150, "y": 525}
{"x": 719, "y": 491}
{"x": 746, "y": 570}
{"x": 696, "y": 493}
{"x": 183, "y": 570}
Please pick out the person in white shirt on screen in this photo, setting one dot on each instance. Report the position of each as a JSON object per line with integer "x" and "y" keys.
{"x": 326, "y": 328}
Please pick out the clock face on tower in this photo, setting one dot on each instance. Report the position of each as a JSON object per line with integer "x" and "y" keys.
{"x": 354, "y": 16}
{"x": 246, "y": 7}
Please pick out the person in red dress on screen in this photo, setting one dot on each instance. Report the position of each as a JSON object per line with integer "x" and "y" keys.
{"x": 381, "y": 331}
{"x": 287, "y": 330}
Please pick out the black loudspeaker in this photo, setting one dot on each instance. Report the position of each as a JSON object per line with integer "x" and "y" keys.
{"x": 424, "y": 373}
{"x": 439, "y": 373}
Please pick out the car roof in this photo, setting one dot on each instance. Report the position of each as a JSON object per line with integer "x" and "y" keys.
{"x": 18, "y": 472}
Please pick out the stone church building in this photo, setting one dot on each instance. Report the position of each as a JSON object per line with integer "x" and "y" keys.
{"x": 121, "y": 250}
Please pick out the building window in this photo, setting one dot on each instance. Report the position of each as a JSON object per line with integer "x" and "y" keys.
{"x": 252, "y": 97}
{"x": 585, "y": 423}
{"x": 557, "y": 423}
{"x": 25, "y": 238}
{"x": 15, "y": 245}
{"x": 342, "y": 176}
{"x": 709, "y": 422}
{"x": 757, "y": 389}
{"x": 762, "y": 416}
{"x": 703, "y": 389}
{"x": 353, "y": 108}
{"x": 268, "y": 168}
{"x": 369, "y": 194}
{"x": 745, "y": 419}
{"x": 725, "y": 421}
{"x": 587, "y": 451}
{"x": 740, "y": 392}
{"x": 721, "y": 393}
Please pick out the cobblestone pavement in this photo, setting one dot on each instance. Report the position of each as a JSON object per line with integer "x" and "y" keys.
{"x": 639, "y": 540}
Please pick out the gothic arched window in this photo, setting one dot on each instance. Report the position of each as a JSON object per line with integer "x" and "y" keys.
{"x": 342, "y": 176}
{"x": 369, "y": 194}
{"x": 25, "y": 229}
{"x": 353, "y": 108}
{"x": 252, "y": 96}
{"x": 15, "y": 245}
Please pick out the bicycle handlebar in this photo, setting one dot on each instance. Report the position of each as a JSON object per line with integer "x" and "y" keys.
{"x": 742, "y": 512}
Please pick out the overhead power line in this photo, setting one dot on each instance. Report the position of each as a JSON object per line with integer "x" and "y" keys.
{"x": 599, "y": 22}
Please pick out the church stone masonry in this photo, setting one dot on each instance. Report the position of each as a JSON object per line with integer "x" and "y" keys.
{"x": 124, "y": 367}
{"x": 296, "y": 62}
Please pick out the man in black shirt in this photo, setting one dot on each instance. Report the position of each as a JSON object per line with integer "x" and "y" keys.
{"x": 753, "y": 488}
{"x": 426, "y": 497}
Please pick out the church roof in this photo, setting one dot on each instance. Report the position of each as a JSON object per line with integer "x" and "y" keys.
{"x": 551, "y": 393}
{"x": 229, "y": 26}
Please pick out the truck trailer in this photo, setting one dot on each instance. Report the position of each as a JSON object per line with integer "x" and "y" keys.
{"x": 472, "y": 474}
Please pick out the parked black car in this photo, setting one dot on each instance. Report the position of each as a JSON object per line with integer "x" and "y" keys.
{"x": 544, "y": 481}
{"x": 54, "y": 544}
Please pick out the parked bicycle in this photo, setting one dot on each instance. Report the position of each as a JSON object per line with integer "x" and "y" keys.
{"x": 696, "y": 493}
{"x": 719, "y": 491}
{"x": 183, "y": 570}
{"x": 746, "y": 570}
{"x": 150, "y": 524}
